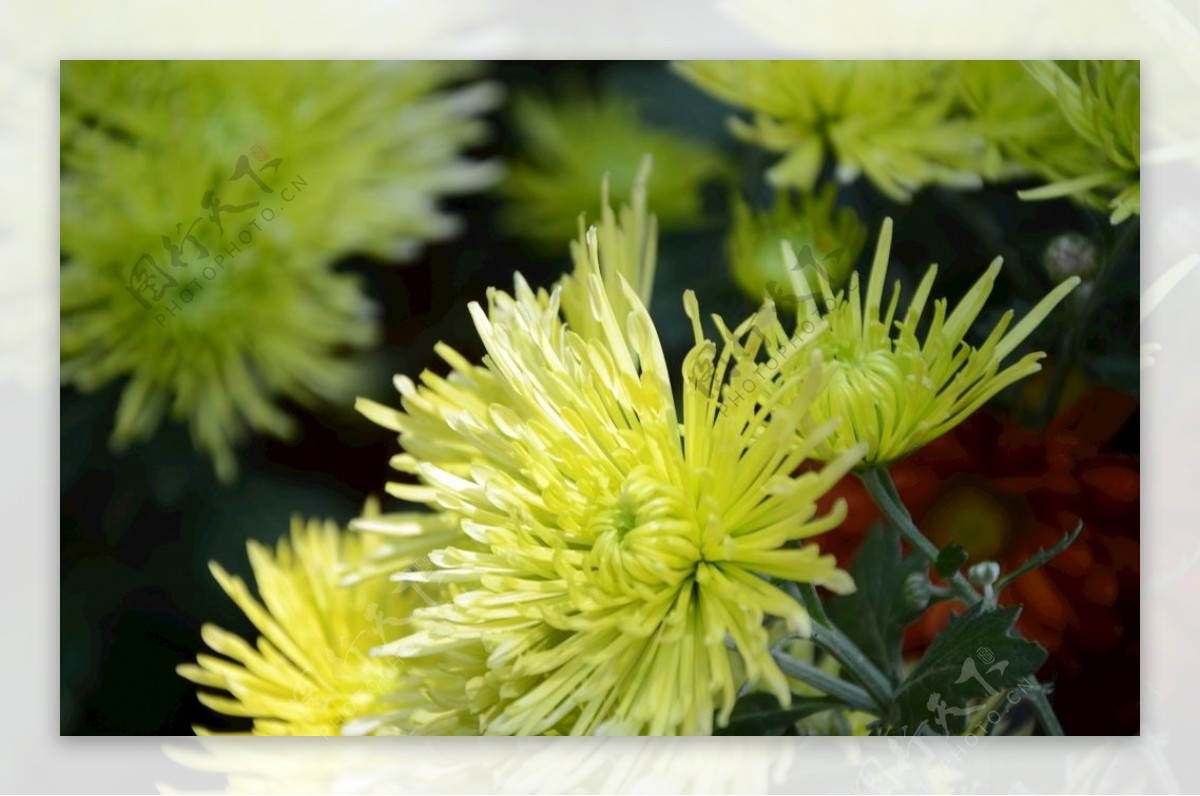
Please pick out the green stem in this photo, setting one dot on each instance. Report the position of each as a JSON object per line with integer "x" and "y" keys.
{"x": 879, "y": 485}
{"x": 1041, "y": 706}
{"x": 830, "y": 638}
{"x": 807, "y": 594}
{"x": 1039, "y": 558}
{"x": 1062, "y": 369}
{"x": 1069, "y": 347}
{"x": 883, "y": 491}
{"x": 825, "y": 682}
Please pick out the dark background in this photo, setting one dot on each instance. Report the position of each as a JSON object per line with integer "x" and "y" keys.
{"x": 137, "y": 529}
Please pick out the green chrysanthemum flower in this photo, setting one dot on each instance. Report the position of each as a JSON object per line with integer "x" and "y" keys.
{"x": 569, "y": 145}
{"x": 202, "y": 206}
{"x": 823, "y": 236}
{"x": 1101, "y": 100}
{"x": 602, "y": 550}
{"x": 892, "y": 388}
{"x": 896, "y": 122}
{"x": 1021, "y": 121}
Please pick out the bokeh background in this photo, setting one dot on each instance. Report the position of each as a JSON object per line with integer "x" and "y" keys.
{"x": 138, "y": 528}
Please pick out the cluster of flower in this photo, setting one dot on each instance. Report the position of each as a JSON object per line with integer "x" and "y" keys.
{"x": 601, "y": 562}
{"x": 279, "y": 325}
{"x": 602, "y": 544}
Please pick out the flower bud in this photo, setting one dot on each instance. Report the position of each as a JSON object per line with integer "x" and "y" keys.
{"x": 1071, "y": 254}
{"x": 917, "y": 591}
{"x": 825, "y": 238}
{"x": 984, "y": 574}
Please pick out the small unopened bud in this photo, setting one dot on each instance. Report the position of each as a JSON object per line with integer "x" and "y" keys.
{"x": 917, "y": 591}
{"x": 984, "y": 574}
{"x": 1071, "y": 254}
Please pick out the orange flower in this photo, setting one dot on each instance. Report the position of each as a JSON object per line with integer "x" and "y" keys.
{"x": 1003, "y": 492}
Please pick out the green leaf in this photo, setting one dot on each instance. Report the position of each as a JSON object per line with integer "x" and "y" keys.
{"x": 875, "y": 615}
{"x": 761, "y": 714}
{"x": 976, "y": 656}
{"x": 950, "y": 560}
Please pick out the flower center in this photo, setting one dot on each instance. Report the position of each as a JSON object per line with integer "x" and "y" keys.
{"x": 862, "y": 379}
{"x": 642, "y": 536}
{"x": 623, "y": 516}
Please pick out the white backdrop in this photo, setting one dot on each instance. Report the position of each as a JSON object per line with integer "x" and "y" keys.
{"x": 34, "y": 35}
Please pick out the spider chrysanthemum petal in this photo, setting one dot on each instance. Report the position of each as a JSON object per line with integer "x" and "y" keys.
{"x": 617, "y": 560}
{"x": 311, "y": 671}
{"x": 893, "y": 387}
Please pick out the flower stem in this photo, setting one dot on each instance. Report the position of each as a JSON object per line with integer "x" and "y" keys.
{"x": 882, "y": 489}
{"x": 1041, "y": 706}
{"x": 825, "y": 682}
{"x": 830, "y": 638}
{"x": 1071, "y": 342}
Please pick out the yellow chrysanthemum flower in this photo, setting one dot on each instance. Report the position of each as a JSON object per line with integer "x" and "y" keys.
{"x": 613, "y": 556}
{"x": 890, "y": 389}
{"x": 567, "y": 146}
{"x": 897, "y": 122}
{"x": 1101, "y": 100}
{"x": 311, "y": 672}
{"x": 431, "y": 427}
{"x": 823, "y": 236}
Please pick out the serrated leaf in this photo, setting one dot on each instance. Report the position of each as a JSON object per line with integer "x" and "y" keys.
{"x": 875, "y": 615}
{"x": 976, "y": 656}
{"x": 950, "y": 560}
{"x": 761, "y": 714}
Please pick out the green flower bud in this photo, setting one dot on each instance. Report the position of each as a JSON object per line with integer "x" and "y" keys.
{"x": 825, "y": 238}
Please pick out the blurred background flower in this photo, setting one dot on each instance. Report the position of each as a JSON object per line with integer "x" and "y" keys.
{"x": 203, "y": 206}
{"x": 1022, "y": 124}
{"x": 569, "y": 142}
{"x": 1102, "y": 102}
{"x": 824, "y": 236}
{"x": 895, "y": 122}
